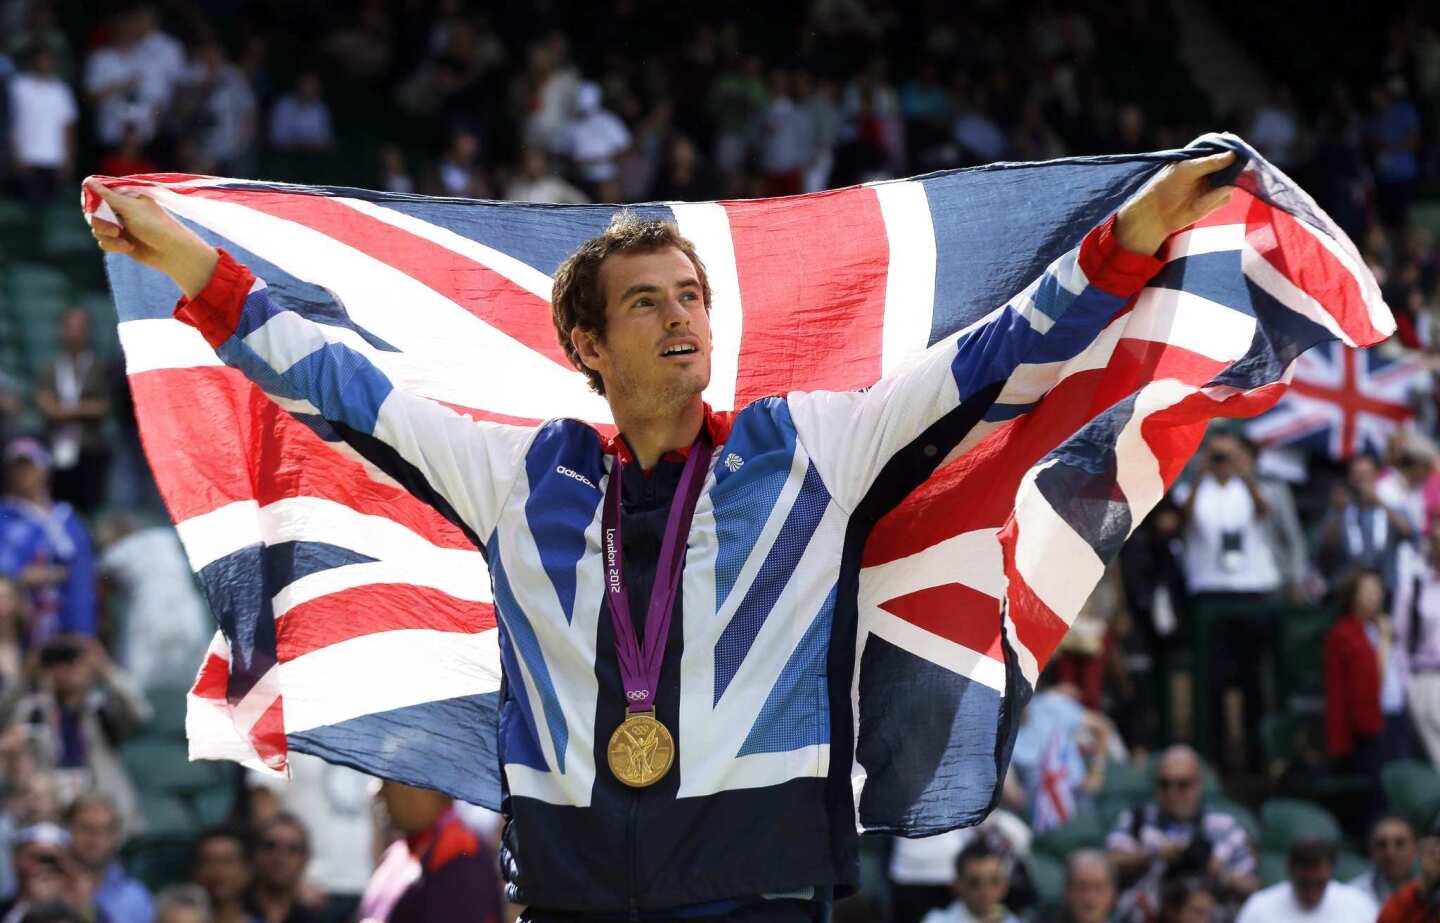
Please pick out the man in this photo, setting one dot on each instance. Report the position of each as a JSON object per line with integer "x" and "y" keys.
{"x": 42, "y": 127}
{"x": 1309, "y": 895}
{"x": 1175, "y": 835}
{"x": 1415, "y": 636}
{"x": 637, "y": 821}
{"x": 79, "y": 707}
{"x": 1360, "y": 530}
{"x": 282, "y": 850}
{"x": 41, "y": 865}
{"x": 981, "y": 882}
{"x": 73, "y": 396}
{"x": 44, "y": 546}
{"x": 437, "y": 872}
{"x": 1419, "y": 901}
{"x": 1089, "y": 887}
{"x": 1392, "y": 856}
{"x": 185, "y": 903}
{"x": 221, "y": 866}
{"x": 95, "y": 839}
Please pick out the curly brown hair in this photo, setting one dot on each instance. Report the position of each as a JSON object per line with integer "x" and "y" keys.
{"x": 578, "y": 299}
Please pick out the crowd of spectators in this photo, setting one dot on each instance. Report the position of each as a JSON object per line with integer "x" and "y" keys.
{"x": 628, "y": 100}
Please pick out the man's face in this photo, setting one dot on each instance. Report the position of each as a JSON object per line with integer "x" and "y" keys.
{"x": 94, "y": 833}
{"x": 281, "y": 857}
{"x": 1362, "y": 476}
{"x": 40, "y": 870}
{"x": 220, "y": 869}
{"x": 75, "y": 330}
{"x": 1089, "y": 893}
{"x": 1177, "y": 787}
{"x": 1392, "y": 849}
{"x": 653, "y": 303}
{"x": 981, "y": 886}
{"x": 1309, "y": 882}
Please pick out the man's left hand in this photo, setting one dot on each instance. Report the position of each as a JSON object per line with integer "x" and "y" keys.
{"x": 1178, "y": 196}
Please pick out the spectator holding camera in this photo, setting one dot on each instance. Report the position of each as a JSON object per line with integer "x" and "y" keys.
{"x": 78, "y": 707}
{"x": 1175, "y": 836}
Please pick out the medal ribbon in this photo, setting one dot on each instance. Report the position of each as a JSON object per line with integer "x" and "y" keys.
{"x": 640, "y": 663}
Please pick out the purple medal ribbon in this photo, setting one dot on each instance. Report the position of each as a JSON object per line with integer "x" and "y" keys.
{"x": 640, "y": 664}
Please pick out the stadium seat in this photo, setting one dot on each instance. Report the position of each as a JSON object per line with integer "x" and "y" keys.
{"x": 1284, "y": 820}
{"x": 213, "y": 807}
{"x": 165, "y": 766}
{"x": 1122, "y": 779}
{"x": 1412, "y": 789}
{"x": 165, "y": 813}
{"x": 1047, "y": 874}
{"x": 1084, "y": 831}
{"x": 1243, "y": 815}
{"x": 158, "y": 859}
{"x": 168, "y": 705}
{"x": 1350, "y": 864}
{"x": 1270, "y": 868}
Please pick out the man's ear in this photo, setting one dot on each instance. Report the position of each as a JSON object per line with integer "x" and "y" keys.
{"x": 586, "y": 345}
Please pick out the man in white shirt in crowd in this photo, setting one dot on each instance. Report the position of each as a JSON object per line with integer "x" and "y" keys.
{"x": 981, "y": 884}
{"x": 537, "y": 182}
{"x": 594, "y": 139}
{"x": 1309, "y": 894}
{"x": 1393, "y": 857}
{"x": 131, "y": 80}
{"x": 42, "y": 127}
{"x": 1229, "y": 561}
{"x": 1416, "y": 636}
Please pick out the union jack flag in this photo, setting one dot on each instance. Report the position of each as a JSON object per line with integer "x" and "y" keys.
{"x": 1343, "y": 401}
{"x": 975, "y": 576}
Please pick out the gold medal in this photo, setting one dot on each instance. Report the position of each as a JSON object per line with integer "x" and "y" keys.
{"x": 641, "y": 750}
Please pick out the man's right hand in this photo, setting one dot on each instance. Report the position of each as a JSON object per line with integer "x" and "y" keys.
{"x": 150, "y": 235}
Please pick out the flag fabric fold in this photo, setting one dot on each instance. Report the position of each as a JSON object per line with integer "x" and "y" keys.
{"x": 356, "y": 622}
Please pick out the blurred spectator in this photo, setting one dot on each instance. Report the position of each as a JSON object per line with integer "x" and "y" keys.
{"x": 684, "y": 176}
{"x": 221, "y": 866}
{"x": 785, "y": 138}
{"x": 94, "y": 827}
{"x": 14, "y": 623}
{"x": 131, "y": 80}
{"x": 1187, "y": 900}
{"x": 1061, "y": 753}
{"x": 1416, "y": 901}
{"x": 1360, "y": 530}
{"x": 1175, "y": 836}
{"x": 437, "y": 872}
{"x": 43, "y": 115}
{"x": 979, "y": 137}
{"x": 1230, "y": 562}
{"x": 1089, "y": 888}
{"x": 922, "y": 870}
{"x": 1393, "y": 858}
{"x": 1309, "y": 893}
{"x": 737, "y": 95}
{"x": 1395, "y": 134}
{"x": 39, "y": 30}
{"x": 546, "y": 92}
{"x": 1357, "y": 656}
{"x": 79, "y": 707}
{"x": 224, "y": 112}
{"x": 182, "y": 904}
{"x": 159, "y": 624}
{"x": 300, "y": 120}
{"x": 128, "y": 157}
{"x": 980, "y": 888}
{"x": 334, "y": 804}
{"x": 39, "y": 857}
{"x": 44, "y": 545}
{"x": 1275, "y": 129}
{"x": 824, "y": 114}
{"x": 593, "y": 139}
{"x": 73, "y": 396}
{"x": 460, "y": 172}
{"x": 1416, "y": 631}
{"x": 1153, "y": 576}
{"x": 538, "y": 183}
{"x": 10, "y": 405}
{"x": 282, "y": 850}
{"x": 394, "y": 174}
{"x": 1403, "y": 484}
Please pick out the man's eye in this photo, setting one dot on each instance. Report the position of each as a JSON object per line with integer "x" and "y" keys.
{"x": 688, "y": 296}
{"x": 644, "y": 303}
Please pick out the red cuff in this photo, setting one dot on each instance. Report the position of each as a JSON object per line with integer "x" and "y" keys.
{"x": 215, "y": 312}
{"x": 1110, "y": 267}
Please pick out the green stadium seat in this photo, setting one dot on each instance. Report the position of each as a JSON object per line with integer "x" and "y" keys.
{"x": 1085, "y": 831}
{"x": 213, "y": 807}
{"x": 1124, "y": 780}
{"x": 168, "y": 705}
{"x": 165, "y": 813}
{"x": 159, "y": 859}
{"x": 1349, "y": 865}
{"x": 1412, "y": 789}
{"x": 1285, "y": 820}
{"x": 160, "y": 765}
{"x": 1047, "y": 874}
{"x": 1270, "y": 868}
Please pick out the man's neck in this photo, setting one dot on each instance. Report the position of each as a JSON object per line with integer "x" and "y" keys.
{"x": 652, "y": 433}
{"x": 274, "y": 903}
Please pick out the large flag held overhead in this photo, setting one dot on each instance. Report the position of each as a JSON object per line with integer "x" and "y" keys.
{"x": 331, "y": 584}
{"x": 1342, "y": 401}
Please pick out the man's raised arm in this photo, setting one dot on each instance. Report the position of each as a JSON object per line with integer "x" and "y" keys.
{"x": 461, "y": 467}
{"x": 932, "y": 404}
